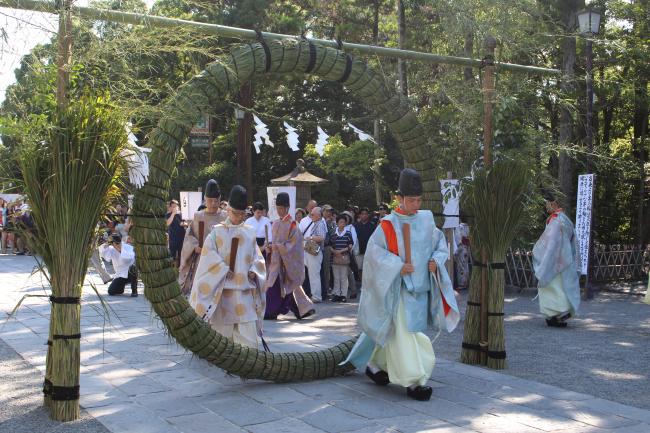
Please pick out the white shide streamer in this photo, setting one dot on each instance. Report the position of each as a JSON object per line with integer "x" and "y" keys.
{"x": 363, "y": 136}
{"x": 292, "y": 137}
{"x": 136, "y": 158}
{"x": 321, "y": 141}
{"x": 261, "y": 134}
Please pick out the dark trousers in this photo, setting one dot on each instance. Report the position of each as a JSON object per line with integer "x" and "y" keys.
{"x": 118, "y": 284}
{"x": 305, "y": 283}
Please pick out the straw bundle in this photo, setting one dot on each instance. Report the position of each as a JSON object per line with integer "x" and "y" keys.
{"x": 219, "y": 81}
{"x": 496, "y": 199}
{"x": 69, "y": 177}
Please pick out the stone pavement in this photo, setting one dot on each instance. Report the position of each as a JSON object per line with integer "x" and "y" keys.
{"x": 134, "y": 379}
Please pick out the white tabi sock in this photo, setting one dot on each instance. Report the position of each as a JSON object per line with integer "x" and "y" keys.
{"x": 373, "y": 368}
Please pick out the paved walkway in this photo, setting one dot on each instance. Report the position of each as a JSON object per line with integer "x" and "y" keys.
{"x": 134, "y": 379}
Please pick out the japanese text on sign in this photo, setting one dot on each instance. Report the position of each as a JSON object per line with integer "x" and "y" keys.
{"x": 583, "y": 218}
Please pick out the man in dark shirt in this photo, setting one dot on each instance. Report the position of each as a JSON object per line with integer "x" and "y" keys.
{"x": 175, "y": 230}
{"x": 364, "y": 228}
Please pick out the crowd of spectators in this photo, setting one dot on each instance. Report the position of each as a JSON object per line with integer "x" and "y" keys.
{"x": 16, "y": 224}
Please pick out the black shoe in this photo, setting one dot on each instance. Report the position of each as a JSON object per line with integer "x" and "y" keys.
{"x": 343, "y": 299}
{"x": 134, "y": 294}
{"x": 308, "y": 313}
{"x": 553, "y": 322}
{"x": 380, "y": 378}
{"x": 563, "y": 317}
{"x": 336, "y": 298}
{"x": 420, "y": 393}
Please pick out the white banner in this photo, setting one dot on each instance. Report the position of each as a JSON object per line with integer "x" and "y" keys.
{"x": 450, "y": 190}
{"x": 584, "y": 206}
{"x": 190, "y": 202}
{"x": 272, "y": 192}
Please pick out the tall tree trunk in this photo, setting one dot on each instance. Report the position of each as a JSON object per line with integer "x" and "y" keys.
{"x": 641, "y": 111}
{"x": 566, "y": 164}
{"x": 376, "y": 167}
{"x": 401, "y": 64}
{"x": 468, "y": 50}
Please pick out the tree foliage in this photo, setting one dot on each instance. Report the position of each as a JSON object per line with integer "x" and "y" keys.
{"x": 141, "y": 67}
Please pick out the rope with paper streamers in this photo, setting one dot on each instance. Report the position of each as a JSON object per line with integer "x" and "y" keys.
{"x": 293, "y": 139}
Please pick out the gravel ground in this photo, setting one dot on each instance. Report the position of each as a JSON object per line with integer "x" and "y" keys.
{"x": 21, "y": 400}
{"x": 605, "y": 351}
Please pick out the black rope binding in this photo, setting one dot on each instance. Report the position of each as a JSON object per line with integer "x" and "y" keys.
{"x": 339, "y": 44}
{"x": 474, "y": 347}
{"x": 66, "y": 337}
{"x": 490, "y": 313}
{"x": 64, "y": 393}
{"x": 267, "y": 51}
{"x": 47, "y": 386}
{"x": 65, "y": 300}
{"x": 486, "y": 61}
{"x": 473, "y": 304}
{"x": 312, "y": 58}
{"x": 348, "y": 69}
{"x": 496, "y": 354}
{"x": 489, "y": 265}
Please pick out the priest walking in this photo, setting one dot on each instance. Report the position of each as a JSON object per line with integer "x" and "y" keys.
{"x": 199, "y": 229}
{"x": 286, "y": 267}
{"x": 405, "y": 289}
{"x": 228, "y": 291}
{"x": 556, "y": 260}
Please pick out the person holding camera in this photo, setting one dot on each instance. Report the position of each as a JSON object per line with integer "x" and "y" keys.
{"x": 122, "y": 256}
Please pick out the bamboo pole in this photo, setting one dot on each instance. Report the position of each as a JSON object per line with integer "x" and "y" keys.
{"x": 235, "y": 32}
{"x": 64, "y": 56}
{"x": 488, "y": 100}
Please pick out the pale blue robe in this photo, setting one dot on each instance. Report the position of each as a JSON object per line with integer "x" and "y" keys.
{"x": 556, "y": 260}
{"x": 394, "y": 310}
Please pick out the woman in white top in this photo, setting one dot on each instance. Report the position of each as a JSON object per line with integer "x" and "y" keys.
{"x": 261, "y": 224}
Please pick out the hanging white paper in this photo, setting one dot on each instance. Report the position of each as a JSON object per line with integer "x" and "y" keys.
{"x": 450, "y": 190}
{"x": 292, "y": 137}
{"x": 583, "y": 218}
{"x": 136, "y": 159}
{"x": 363, "y": 136}
{"x": 321, "y": 141}
{"x": 261, "y": 134}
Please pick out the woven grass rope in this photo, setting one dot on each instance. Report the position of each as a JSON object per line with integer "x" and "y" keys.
{"x": 220, "y": 80}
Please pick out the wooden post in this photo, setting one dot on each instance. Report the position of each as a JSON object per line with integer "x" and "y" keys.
{"x": 488, "y": 99}
{"x": 64, "y": 56}
{"x": 449, "y": 235}
{"x": 489, "y": 94}
{"x": 375, "y": 167}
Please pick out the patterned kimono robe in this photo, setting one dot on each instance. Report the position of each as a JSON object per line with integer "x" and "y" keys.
{"x": 233, "y": 306}
{"x": 394, "y": 310}
{"x": 286, "y": 271}
{"x": 190, "y": 259}
{"x": 556, "y": 260}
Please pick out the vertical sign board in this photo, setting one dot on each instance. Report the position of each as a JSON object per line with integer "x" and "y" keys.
{"x": 272, "y": 192}
{"x": 584, "y": 208}
{"x": 190, "y": 202}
